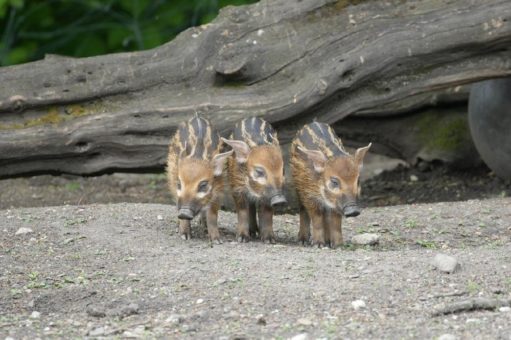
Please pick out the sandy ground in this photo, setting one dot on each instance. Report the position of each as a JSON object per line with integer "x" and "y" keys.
{"x": 121, "y": 271}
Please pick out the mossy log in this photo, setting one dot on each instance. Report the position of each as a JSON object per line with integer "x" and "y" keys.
{"x": 289, "y": 61}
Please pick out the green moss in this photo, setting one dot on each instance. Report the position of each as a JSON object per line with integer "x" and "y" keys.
{"x": 54, "y": 116}
{"x": 443, "y": 133}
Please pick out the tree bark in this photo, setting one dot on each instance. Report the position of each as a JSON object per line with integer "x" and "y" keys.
{"x": 288, "y": 61}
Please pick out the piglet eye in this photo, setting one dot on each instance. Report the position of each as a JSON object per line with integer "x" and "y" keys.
{"x": 334, "y": 183}
{"x": 203, "y": 186}
{"x": 259, "y": 172}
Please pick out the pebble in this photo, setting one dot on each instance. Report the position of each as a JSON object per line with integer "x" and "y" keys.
{"x": 137, "y": 332}
{"x": 414, "y": 178}
{"x": 35, "y": 315}
{"x": 301, "y": 336}
{"x": 505, "y": 309}
{"x": 304, "y": 322}
{"x": 97, "y": 331}
{"x": 446, "y": 263}
{"x": 358, "y": 304}
{"x": 24, "y": 231}
{"x": 159, "y": 217}
{"x": 447, "y": 337}
{"x": 128, "y": 310}
{"x": 199, "y": 301}
{"x": 95, "y": 312}
{"x": 261, "y": 320}
{"x": 175, "y": 319}
{"x": 365, "y": 239}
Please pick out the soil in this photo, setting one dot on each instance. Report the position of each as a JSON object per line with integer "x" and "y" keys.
{"x": 121, "y": 271}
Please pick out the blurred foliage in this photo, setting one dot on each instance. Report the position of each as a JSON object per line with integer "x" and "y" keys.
{"x": 82, "y": 28}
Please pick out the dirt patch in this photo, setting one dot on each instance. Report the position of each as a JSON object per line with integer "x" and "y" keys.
{"x": 401, "y": 185}
{"x": 120, "y": 270}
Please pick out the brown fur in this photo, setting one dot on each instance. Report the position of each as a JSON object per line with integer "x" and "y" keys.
{"x": 248, "y": 190}
{"x": 193, "y": 158}
{"x": 312, "y": 171}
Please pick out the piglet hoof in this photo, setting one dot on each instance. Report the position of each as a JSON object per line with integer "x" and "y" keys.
{"x": 243, "y": 238}
{"x": 269, "y": 239}
{"x": 335, "y": 245}
{"x": 319, "y": 244}
{"x": 213, "y": 242}
{"x": 304, "y": 241}
{"x": 186, "y": 236}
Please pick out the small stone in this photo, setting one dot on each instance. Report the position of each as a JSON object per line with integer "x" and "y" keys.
{"x": 505, "y": 309}
{"x": 175, "y": 319}
{"x": 128, "y": 310}
{"x": 413, "y": 178}
{"x": 301, "y": 336}
{"x": 304, "y": 322}
{"x": 138, "y": 332}
{"x": 358, "y": 304}
{"x": 24, "y": 231}
{"x": 365, "y": 239}
{"x": 97, "y": 331}
{"x": 96, "y": 312}
{"x": 447, "y": 337}
{"x": 446, "y": 263}
{"x": 199, "y": 301}
{"x": 261, "y": 320}
{"x": 35, "y": 315}
{"x": 159, "y": 217}
{"x": 233, "y": 315}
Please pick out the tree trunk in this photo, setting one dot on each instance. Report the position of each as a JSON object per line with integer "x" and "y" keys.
{"x": 288, "y": 61}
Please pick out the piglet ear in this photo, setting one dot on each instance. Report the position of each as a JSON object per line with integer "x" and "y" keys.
{"x": 360, "y": 154}
{"x": 218, "y": 162}
{"x": 240, "y": 148}
{"x": 183, "y": 152}
{"x": 317, "y": 157}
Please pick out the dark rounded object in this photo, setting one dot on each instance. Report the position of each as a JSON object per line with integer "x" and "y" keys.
{"x": 278, "y": 200}
{"x": 351, "y": 211}
{"x": 185, "y": 214}
{"x": 489, "y": 116}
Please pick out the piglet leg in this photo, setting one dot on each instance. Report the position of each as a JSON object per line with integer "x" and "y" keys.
{"x": 212, "y": 223}
{"x": 252, "y": 220}
{"x": 185, "y": 230}
{"x": 243, "y": 233}
{"x": 305, "y": 221}
{"x": 266, "y": 223}
{"x": 333, "y": 224}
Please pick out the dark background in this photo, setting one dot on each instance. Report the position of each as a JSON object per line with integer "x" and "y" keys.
{"x": 82, "y": 28}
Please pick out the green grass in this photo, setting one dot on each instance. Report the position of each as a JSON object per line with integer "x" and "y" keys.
{"x": 427, "y": 244}
{"x": 411, "y": 224}
{"x": 473, "y": 287}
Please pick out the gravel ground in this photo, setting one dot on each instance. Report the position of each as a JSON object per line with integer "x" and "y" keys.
{"x": 120, "y": 270}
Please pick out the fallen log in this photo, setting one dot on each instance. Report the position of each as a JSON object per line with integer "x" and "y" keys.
{"x": 289, "y": 61}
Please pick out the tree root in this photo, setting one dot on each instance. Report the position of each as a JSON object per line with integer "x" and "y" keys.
{"x": 472, "y": 305}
